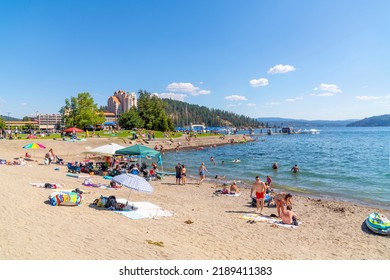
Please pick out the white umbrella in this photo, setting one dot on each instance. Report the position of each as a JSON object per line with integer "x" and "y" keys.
{"x": 134, "y": 182}
{"x": 106, "y": 150}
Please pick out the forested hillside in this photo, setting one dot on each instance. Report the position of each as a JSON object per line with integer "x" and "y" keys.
{"x": 383, "y": 120}
{"x": 183, "y": 113}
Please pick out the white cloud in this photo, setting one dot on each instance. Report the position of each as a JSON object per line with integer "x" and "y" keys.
{"x": 201, "y": 92}
{"x": 235, "y": 98}
{"x": 182, "y": 87}
{"x": 329, "y": 87}
{"x": 294, "y": 99}
{"x": 259, "y": 82}
{"x": 187, "y": 88}
{"x": 171, "y": 95}
{"x": 280, "y": 69}
{"x": 366, "y": 97}
{"x": 24, "y": 104}
{"x": 251, "y": 104}
{"x": 234, "y": 105}
{"x": 273, "y": 103}
{"x": 325, "y": 94}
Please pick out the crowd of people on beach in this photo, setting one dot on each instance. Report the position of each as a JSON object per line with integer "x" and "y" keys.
{"x": 258, "y": 192}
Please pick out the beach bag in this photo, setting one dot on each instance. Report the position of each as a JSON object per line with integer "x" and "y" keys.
{"x": 111, "y": 202}
{"x": 101, "y": 201}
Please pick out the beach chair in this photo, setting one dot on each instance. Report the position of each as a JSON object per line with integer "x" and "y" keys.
{"x": 59, "y": 160}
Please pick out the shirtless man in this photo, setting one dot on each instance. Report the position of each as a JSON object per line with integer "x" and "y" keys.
{"x": 288, "y": 216}
{"x": 295, "y": 169}
{"x": 259, "y": 188}
{"x": 233, "y": 188}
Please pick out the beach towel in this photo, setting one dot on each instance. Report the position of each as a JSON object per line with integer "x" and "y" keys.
{"x": 46, "y": 185}
{"x": 77, "y": 175}
{"x": 267, "y": 219}
{"x": 233, "y": 194}
{"x": 88, "y": 183}
{"x": 143, "y": 210}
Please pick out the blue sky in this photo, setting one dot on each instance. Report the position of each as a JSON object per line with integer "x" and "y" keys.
{"x": 297, "y": 59}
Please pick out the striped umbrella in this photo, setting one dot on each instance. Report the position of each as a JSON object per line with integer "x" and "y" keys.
{"x": 34, "y": 146}
{"x": 133, "y": 182}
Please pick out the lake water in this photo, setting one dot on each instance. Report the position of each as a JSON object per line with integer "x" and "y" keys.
{"x": 351, "y": 164}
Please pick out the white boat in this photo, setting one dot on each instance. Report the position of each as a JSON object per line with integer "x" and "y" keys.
{"x": 310, "y": 131}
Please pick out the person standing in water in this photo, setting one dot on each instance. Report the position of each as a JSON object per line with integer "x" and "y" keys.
{"x": 295, "y": 169}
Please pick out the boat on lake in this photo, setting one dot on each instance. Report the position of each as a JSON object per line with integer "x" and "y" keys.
{"x": 310, "y": 131}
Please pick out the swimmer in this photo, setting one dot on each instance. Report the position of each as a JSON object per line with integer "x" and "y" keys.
{"x": 295, "y": 169}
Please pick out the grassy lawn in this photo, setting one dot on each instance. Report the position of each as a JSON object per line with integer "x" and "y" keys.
{"x": 106, "y": 134}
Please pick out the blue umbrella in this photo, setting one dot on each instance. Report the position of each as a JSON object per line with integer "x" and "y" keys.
{"x": 134, "y": 182}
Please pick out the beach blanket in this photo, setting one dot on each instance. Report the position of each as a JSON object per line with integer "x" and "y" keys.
{"x": 233, "y": 194}
{"x": 78, "y": 175}
{"x": 143, "y": 210}
{"x": 267, "y": 219}
{"x": 47, "y": 185}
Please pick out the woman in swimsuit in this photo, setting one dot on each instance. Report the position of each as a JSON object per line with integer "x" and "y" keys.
{"x": 282, "y": 199}
{"x": 183, "y": 174}
{"x": 202, "y": 173}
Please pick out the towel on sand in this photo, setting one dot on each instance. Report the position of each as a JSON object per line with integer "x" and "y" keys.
{"x": 233, "y": 194}
{"x": 267, "y": 219}
{"x": 46, "y": 185}
{"x": 143, "y": 210}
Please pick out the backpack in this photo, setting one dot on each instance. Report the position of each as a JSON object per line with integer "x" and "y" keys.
{"x": 111, "y": 202}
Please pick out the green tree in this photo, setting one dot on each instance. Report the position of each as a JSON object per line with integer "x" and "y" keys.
{"x": 2, "y": 123}
{"x": 152, "y": 111}
{"x": 81, "y": 111}
{"x": 27, "y": 126}
{"x": 130, "y": 119}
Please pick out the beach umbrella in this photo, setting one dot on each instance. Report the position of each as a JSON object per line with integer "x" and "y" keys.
{"x": 133, "y": 182}
{"x": 141, "y": 151}
{"x": 138, "y": 150}
{"x": 106, "y": 150}
{"x": 34, "y": 146}
{"x": 73, "y": 129}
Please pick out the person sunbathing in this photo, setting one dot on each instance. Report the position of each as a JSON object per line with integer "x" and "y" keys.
{"x": 288, "y": 216}
{"x": 233, "y": 188}
{"x": 282, "y": 199}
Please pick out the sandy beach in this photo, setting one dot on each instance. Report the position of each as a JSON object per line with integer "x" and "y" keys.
{"x": 203, "y": 226}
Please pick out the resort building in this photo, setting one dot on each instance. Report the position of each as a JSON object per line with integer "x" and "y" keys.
{"x": 121, "y": 102}
{"x": 49, "y": 121}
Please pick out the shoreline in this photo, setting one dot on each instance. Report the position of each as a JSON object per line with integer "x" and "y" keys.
{"x": 216, "y": 230}
{"x": 194, "y": 145}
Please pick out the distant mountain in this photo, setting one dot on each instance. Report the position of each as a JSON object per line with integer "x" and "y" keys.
{"x": 6, "y": 118}
{"x": 383, "y": 120}
{"x": 283, "y": 122}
